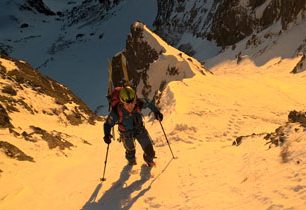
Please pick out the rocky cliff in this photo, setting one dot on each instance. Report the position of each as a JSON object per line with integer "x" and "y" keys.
{"x": 151, "y": 63}
{"x": 224, "y": 21}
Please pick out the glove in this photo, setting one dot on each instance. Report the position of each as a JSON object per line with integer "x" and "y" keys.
{"x": 158, "y": 115}
{"x": 108, "y": 139}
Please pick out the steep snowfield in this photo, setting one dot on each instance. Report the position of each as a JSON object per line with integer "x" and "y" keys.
{"x": 269, "y": 46}
{"x": 203, "y": 116}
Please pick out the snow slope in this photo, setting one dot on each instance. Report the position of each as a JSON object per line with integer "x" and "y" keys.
{"x": 269, "y": 46}
{"x": 35, "y": 112}
{"x": 52, "y": 44}
{"x": 203, "y": 116}
{"x": 250, "y": 96}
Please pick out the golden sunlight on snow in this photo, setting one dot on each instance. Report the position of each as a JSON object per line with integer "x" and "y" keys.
{"x": 203, "y": 116}
{"x": 10, "y": 65}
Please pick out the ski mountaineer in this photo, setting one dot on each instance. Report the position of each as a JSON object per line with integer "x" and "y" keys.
{"x": 127, "y": 114}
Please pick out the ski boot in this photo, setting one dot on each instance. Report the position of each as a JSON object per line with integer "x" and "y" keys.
{"x": 151, "y": 163}
{"x": 132, "y": 162}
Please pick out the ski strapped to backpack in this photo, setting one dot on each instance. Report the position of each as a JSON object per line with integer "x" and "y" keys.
{"x": 113, "y": 94}
{"x": 124, "y": 69}
{"x": 110, "y": 89}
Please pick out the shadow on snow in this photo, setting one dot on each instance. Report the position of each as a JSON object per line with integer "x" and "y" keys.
{"x": 119, "y": 195}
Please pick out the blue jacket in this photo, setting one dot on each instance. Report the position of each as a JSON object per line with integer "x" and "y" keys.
{"x": 126, "y": 121}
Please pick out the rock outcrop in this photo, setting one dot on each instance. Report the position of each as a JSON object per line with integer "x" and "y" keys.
{"x": 224, "y": 21}
{"x": 151, "y": 63}
{"x": 37, "y": 6}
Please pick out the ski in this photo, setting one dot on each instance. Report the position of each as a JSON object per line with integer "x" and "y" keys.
{"x": 110, "y": 88}
{"x": 124, "y": 69}
{"x": 151, "y": 164}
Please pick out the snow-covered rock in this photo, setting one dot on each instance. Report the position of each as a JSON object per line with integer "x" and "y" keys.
{"x": 225, "y": 22}
{"x": 34, "y": 107}
{"x": 152, "y": 63}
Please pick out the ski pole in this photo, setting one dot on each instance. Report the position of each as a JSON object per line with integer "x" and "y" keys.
{"x": 103, "y": 178}
{"x": 166, "y": 138}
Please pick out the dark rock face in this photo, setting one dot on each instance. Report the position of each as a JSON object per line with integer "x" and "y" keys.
{"x": 163, "y": 21}
{"x": 225, "y": 21}
{"x": 286, "y": 11}
{"x": 300, "y": 66}
{"x": 14, "y": 152}
{"x": 24, "y": 25}
{"x": 270, "y": 14}
{"x": 256, "y": 3}
{"x": 290, "y": 10}
{"x": 9, "y": 90}
{"x": 143, "y": 51}
{"x": 36, "y": 6}
{"x": 231, "y": 23}
{"x": 53, "y": 139}
{"x": 238, "y": 141}
{"x": 139, "y": 55}
{"x": 91, "y": 11}
{"x": 5, "y": 49}
{"x": 174, "y": 18}
{"x": 4, "y": 118}
{"x": 187, "y": 48}
{"x": 279, "y": 137}
{"x": 295, "y": 116}
{"x": 108, "y": 4}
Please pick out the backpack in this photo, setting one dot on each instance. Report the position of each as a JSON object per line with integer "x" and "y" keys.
{"x": 114, "y": 97}
{"x": 117, "y": 106}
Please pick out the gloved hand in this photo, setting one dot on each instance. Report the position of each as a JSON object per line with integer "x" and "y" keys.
{"x": 108, "y": 139}
{"x": 158, "y": 115}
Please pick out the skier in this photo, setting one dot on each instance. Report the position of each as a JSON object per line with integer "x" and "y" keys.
{"x": 127, "y": 114}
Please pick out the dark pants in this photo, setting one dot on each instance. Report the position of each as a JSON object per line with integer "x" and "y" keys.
{"x": 143, "y": 138}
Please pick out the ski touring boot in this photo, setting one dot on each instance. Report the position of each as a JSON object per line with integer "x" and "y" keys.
{"x": 132, "y": 162}
{"x": 151, "y": 163}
